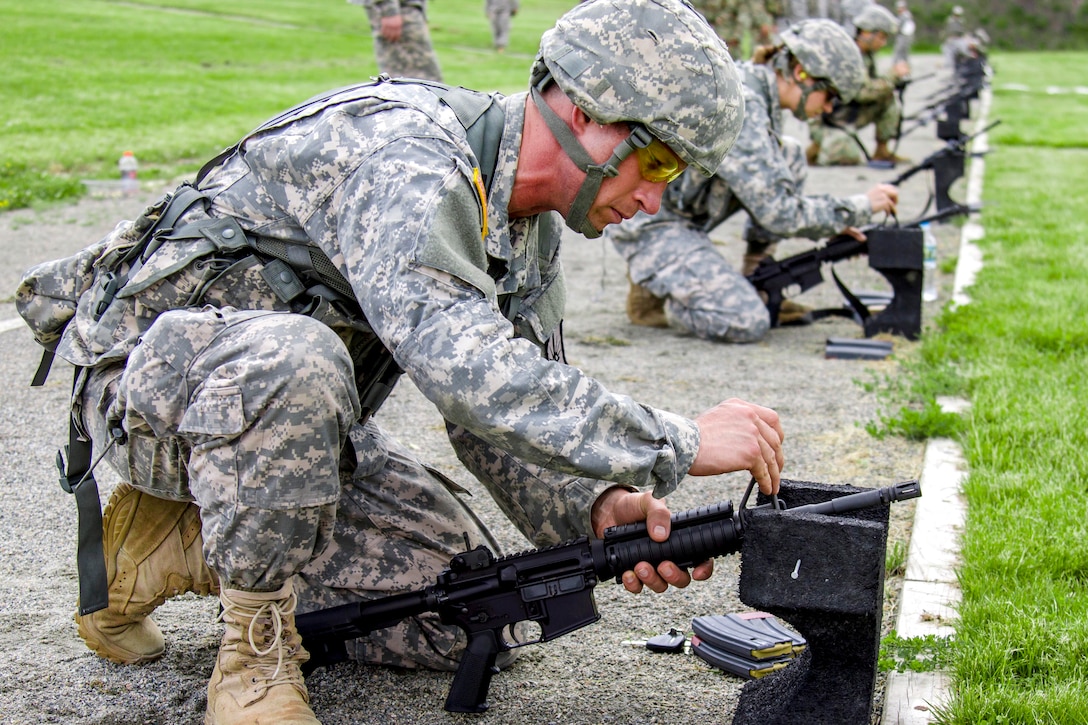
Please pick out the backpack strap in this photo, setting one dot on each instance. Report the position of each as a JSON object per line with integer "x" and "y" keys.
{"x": 77, "y": 478}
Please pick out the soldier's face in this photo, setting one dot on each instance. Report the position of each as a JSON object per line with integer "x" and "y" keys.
{"x": 870, "y": 41}
{"x": 620, "y": 196}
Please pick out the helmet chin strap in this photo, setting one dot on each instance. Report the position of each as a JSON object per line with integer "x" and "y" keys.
{"x": 576, "y": 217}
{"x": 799, "y": 109}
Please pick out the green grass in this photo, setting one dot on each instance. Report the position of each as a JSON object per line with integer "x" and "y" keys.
{"x": 178, "y": 80}
{"x": 1019, "y": 352}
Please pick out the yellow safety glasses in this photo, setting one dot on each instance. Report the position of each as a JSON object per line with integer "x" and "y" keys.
{"x": 657, "y": 162}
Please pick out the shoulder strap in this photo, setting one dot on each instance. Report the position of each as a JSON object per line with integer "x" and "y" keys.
{"x": 477, "y": 112}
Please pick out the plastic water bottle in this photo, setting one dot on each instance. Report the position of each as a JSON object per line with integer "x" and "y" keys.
{"x": 929, "y": 264}
{"x": 128, "y": 166}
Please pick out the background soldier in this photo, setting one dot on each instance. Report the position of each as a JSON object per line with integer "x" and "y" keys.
{"x": 499, "y": 13}
{"x": 904, "y": 39}
{"x": 676, "y": 274}
{"x": 235, "y": 339}
{"x": 954, "y": 30}
{"x": 834, "y": 136}
{"x": 402, "y": 40}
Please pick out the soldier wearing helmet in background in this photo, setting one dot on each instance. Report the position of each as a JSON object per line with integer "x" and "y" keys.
{"x": 952, "y": 38}
{"x": 834, "y": 135}
{"x": 904, "y": 39}
{"x": 676, "y": 274}
{"x": 235, "y": 339}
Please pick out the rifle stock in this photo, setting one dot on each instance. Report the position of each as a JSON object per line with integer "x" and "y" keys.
{"x": 553, "y": 587}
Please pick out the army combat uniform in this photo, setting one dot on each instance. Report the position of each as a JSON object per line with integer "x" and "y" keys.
{"x": 499, "y": 13}
{"x": 876, "y": 104}
{"x": 413, "y": 55}
{"x": 671, "y": 253}
{"x": 246, "y": 389}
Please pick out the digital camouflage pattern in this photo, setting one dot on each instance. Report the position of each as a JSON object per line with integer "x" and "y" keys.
{"x": 733, "y": 19}
{"x": 412, "y": 56}
{"x": 616, "y": 75}
{"x": 826, "y": 51}
{"x": 875, "y": 104}
{"x": 499, "y": 14}
{"x": 245, "y": 406}
{"x": 671, "y": 253}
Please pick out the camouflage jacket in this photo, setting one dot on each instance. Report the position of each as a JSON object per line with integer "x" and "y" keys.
{"x": 756, "y": 176}
{"x": 382, "y": 179}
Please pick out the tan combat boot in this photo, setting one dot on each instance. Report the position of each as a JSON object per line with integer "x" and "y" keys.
{"x": 643, "y": 308}
{"x": 883, "y": 153}
{"x": 257, "y": 678}
{"x": 153, "y": 552}
{"x": 812, "y": 153}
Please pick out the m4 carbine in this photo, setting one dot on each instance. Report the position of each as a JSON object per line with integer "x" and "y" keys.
{"x": 893, "y": 251}
{"x": 552, "y": 587}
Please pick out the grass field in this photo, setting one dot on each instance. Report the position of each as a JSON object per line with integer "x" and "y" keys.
{"x": 177, "y": 80}
{"x": 1019, "y": 353}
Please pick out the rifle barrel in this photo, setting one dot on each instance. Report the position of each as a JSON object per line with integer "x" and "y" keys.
{"x": 865, "y": 499}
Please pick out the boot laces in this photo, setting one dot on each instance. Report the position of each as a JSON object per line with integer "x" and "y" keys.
{"x": 271, "y": 614}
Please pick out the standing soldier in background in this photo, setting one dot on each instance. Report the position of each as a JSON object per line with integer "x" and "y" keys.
{"x": 834, "y": 135}
{"x": 765, "y": 14}
{"x": 904, "y": 39}
{"x": 953, "y": 36}
{"x": 499, "y": 13}
{"x": 402, "y": 40}
{"x": 722, "y": 16}
{"x": 233, "y": 342}
{"x": 677, "y": 276}
{"x": 734, "y": 19}
{"x": 798, "y": 10}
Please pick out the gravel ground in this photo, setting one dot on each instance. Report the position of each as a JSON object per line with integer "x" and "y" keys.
{"x": 590, "y": 676}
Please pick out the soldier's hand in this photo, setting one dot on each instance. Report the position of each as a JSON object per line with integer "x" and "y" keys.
{"x": 621, "y": 506}
{"x": 739, "y": 436}
{"x": 392, "y": 26}
{"x": 883, "y": 198}
{"x": 855, "y": 233}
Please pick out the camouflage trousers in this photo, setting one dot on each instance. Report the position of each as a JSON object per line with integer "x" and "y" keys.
{"x": 837, "y": 148}
{"x": 499, "y": 14}
{"x": 703, "y": 293}
{"x": 413, "y": 55}
{"x": 253, "y": 416}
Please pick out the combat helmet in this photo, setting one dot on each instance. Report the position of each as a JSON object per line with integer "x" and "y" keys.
{"x": 877, "y": 19}
{"x": 655, "y": 64}
{"x": 827, "y": 52}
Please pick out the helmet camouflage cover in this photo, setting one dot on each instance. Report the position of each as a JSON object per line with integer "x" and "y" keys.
{"x": 827, "y": 51}
{"x": 653, "y": 62}
{"x": 876, "y": 18}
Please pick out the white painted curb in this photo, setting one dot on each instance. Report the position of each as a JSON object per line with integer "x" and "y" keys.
{"x": 931, "y": 594}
